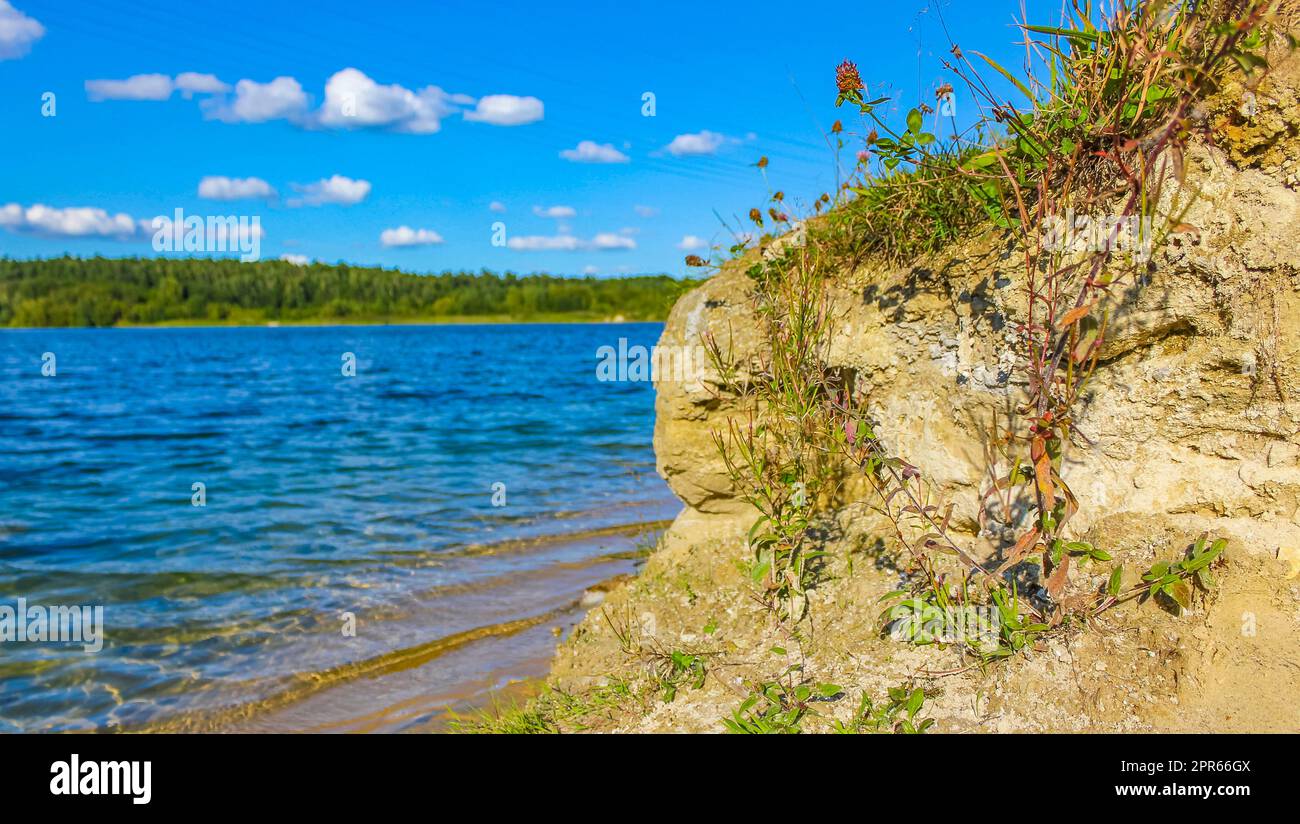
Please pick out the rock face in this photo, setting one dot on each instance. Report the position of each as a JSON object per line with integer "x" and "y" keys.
{"x": 1192, "y": 425}
{"x": 1194, "y": 412}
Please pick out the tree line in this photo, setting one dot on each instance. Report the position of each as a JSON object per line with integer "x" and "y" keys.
{"x": 98, "y": 291}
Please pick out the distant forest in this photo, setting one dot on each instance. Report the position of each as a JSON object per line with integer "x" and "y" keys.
{"x": 97, "y": 291}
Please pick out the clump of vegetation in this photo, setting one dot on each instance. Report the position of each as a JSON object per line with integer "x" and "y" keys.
{"x": 667, "y": 669}
{"x": 775, "y": 707}
{"x": 1105, "y": 111}
{"x": 98, "y": 291}
{"x": 1175, "y": 581}
{"x": 896, "y": 714}
{"x": 782, "y": 706}
{"x": 551, "y": 712}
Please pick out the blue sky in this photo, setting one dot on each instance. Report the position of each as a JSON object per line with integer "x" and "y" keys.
{"x": 434, "y": 112}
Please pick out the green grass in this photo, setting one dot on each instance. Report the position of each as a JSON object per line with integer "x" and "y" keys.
{"x": 551, "y": 712}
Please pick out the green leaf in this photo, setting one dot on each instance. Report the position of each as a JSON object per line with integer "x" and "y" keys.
{"x": 1205, "y": 578}
{"x": 1249, "y": 62}
{"x": 1157, "y": 93}
{"x": 1156, "y": 571}
{"x": 981, "y": 161}
{"x": 914, "y": 121}
{"x": 914, "y": 701}
{"x": 1069, "y": 34}
{"x": 1008, "y": 75}
{"x": 1116, "y": 582}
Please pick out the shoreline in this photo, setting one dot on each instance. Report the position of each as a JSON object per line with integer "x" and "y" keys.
{"x": 467, "y": 320}
{"x": 423, "y": 687}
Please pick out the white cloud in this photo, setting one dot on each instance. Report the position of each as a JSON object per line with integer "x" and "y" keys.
{"x": 154, "y": 86}
{"x": 506, "y": 110}
{"x": 690, "y": 243}
{"x": 296, "y": 260}
{"x": 589, "y": 151}
{"x": 353, "y": 100}
{"x": 17, "y": 32}
{"x": 700, "y": 143}
{"x": 192, "y": 83}
{"x": 335, "y": 190}
{"x": 557, "y": 212}
{"x": 590, "y": 270}
{"x": 281, "y": 99}
{"x": 606, "y": 241}
{"x": 497, "y": 206}
{"x": 76, "y": 221}
{"x": 406, "y": 236}
{"x": 645, "y": 211}
{"x": 136, "y": 87}
{"x": 216, "y": 187}
{"x": 609, "y": 240}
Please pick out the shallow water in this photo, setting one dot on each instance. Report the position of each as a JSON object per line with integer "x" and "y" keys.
{"x": 326, "y": 495}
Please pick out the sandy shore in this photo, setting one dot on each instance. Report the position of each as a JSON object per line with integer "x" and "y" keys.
{"x": 418, "y": 688}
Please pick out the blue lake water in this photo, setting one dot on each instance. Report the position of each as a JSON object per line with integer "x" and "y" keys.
{"x": 327, "y": 495}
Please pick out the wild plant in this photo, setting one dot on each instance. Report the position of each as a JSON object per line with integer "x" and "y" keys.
{"x": 1110, "y": 103}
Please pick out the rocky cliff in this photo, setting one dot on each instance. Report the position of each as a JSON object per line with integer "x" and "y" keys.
{"x": 1191, "y": 425}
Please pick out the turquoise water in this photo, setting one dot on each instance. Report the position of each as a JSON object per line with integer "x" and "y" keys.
{"x": 326, "y": 495}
